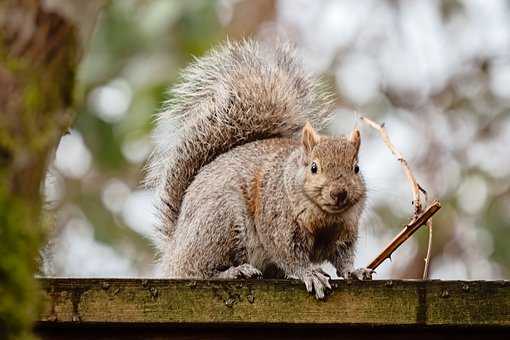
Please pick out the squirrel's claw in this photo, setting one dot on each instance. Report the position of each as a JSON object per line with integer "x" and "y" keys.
{"x": 361, "y": 274}
{"x": 317, "y": 281}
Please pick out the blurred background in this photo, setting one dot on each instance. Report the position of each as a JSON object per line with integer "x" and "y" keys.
{"x": 437, "y": 73}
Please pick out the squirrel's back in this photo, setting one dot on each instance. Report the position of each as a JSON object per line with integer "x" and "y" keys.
{"x": 236, "y": 94}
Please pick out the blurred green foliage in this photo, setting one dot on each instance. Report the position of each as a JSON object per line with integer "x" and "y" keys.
{"x": 142, "y": 45}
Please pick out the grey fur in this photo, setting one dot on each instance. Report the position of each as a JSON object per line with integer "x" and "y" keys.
{"x": 235, "y": 191}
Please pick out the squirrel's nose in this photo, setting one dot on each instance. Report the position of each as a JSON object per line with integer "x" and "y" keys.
{"x": 339, "y": 195}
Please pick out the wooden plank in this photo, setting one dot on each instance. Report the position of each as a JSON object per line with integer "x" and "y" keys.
{"x": 274, "y": 302}
{"x": 266, "y": 333}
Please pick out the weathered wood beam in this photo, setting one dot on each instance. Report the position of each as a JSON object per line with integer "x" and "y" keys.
{"x": 274, "y": 302}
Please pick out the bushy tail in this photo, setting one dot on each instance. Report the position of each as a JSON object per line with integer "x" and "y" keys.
{"x": 238, "y": 93}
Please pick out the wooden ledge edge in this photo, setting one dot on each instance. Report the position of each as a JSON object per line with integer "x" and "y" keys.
{"x": 98, "y": 301}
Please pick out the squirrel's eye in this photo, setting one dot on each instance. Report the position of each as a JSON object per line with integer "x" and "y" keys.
{"x": 314, "y": 168}
{"x": 356, "y": 169}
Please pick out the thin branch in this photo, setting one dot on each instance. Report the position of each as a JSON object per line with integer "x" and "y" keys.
{"x": 407, "y": 232}
{"x": 417, "y": 191}
{"x": 415, "y": 187}
{"x": 429, "y": 251}
{"x": 426, "y": 266}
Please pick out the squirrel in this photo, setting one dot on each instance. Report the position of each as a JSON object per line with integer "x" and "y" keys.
{"x": 246, "y": 186}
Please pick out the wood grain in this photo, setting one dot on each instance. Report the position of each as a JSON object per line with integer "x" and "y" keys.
{"x": 274, "y": 302}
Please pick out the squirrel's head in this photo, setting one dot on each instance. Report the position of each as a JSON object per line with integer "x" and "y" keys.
{"x": 332, "y": 177}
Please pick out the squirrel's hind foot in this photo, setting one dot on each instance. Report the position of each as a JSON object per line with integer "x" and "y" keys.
{"x": 361, "y": 274}
{"x": 244, "y": 271}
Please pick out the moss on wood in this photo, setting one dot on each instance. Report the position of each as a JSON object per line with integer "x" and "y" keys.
{"x": 372, "y": 303}
{"x": 38, "y": 53}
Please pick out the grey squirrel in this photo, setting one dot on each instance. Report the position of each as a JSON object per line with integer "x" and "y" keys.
{"x": 246, "y": 187}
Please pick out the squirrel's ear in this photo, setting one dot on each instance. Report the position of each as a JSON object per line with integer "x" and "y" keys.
{"x": 355, "y": 138}
{"x": 310, "y": 137}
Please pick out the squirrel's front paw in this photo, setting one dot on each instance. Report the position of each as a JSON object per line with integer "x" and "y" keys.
{"x": 317, "y": 281}
{"x": 244, "y": 271}
{"x": 361, "y": 274}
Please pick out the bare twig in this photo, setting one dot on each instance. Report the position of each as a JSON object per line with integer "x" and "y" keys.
{"x": 415, "y": 187}
{"x": 429, "y": 251}
{"x": 426, "y": 266}
{"x": 407, "y": 232}
{"x": 420, "y": 218}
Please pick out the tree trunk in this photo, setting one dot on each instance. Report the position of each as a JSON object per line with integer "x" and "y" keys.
{"x": 39, "y": 51}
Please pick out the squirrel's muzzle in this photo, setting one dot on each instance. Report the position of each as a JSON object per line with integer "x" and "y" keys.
{"x": 339, "y": 195}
